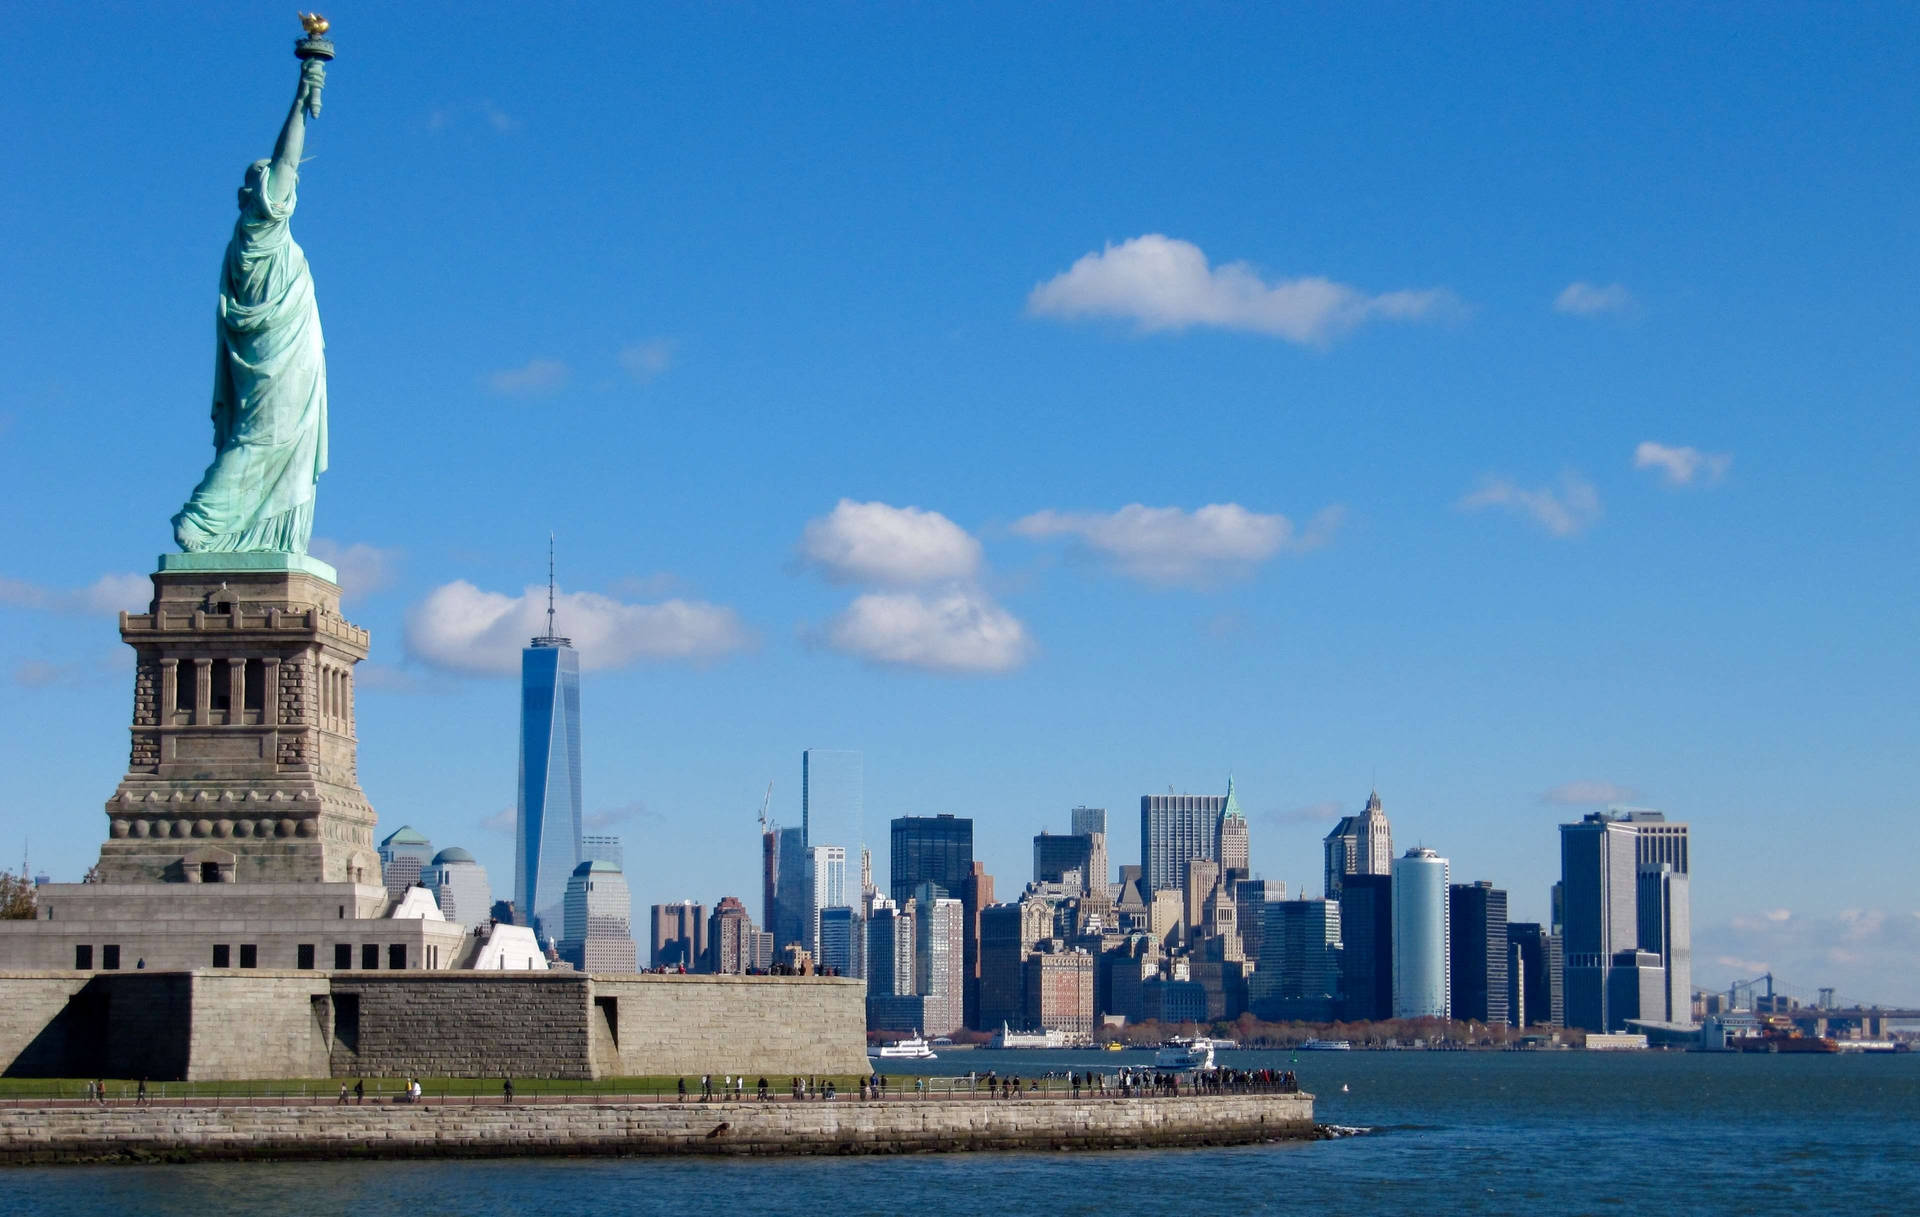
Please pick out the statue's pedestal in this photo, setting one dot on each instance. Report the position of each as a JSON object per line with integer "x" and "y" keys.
{"x": 242, "y": 767}
{"x": 249, "y": 563}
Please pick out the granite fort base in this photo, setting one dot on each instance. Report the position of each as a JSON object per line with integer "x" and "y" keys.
{"x": 237, "y": 1025}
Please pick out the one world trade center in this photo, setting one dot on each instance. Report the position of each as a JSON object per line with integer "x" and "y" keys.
{"x": 547, "y": 821}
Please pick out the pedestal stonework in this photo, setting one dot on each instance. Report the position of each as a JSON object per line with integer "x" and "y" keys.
{"x": 242, "y": 767}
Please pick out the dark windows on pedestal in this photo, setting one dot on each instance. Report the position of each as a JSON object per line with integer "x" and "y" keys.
{"x": 249, "y": 955}
{"x": 183, "y": 689}
{"x": 370, "y": 956}
{"x": 220, "y": 699}
{"x": 209, "y": 872}
{"x": 303, "y": 957}
{"x": 222, "y": 955}
{"x": 342, "y": 956}
{"x": 397, "y": 956}
{"x": 256, "y": 692}
{"x": 83, "y": 959}
{"x": 110, "y": 958}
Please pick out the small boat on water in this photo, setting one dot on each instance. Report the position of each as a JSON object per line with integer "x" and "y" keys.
{"x": 914, "y": 1048}
{"x": 1327, "y": 1046}
{"x": 1184, "y": 1054}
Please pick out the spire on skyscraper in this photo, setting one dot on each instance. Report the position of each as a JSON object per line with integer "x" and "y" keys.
{"x": 550, "y": 639}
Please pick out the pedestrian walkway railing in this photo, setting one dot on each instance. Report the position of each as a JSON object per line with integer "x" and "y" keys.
{"x": 491, "y": 1092}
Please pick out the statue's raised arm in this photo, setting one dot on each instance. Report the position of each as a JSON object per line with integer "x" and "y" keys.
{"x": 292, "y": 143}
{"x": 270, "y": 372}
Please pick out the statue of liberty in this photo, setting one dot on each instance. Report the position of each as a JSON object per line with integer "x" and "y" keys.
{"x": 269, "y": 370}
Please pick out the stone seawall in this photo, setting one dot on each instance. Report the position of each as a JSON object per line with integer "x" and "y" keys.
{"x": 181, "y": 1134}
{"x": 236, "y": 1024}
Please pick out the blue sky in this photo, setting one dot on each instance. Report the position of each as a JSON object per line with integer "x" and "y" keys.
{"x": 1511, "y": 407}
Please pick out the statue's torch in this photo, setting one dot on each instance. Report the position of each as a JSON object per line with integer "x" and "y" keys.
{"x": 314, "y": 47}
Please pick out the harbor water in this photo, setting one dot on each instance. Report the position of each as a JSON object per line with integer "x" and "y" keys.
{"x": 1541, "y": 1132}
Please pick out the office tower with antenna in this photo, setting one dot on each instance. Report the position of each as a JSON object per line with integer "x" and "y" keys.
{"x": 547, "y": 822}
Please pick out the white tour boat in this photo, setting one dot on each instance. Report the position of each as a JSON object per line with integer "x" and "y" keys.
{"x": 913, "y": 1049}
{"x": 1184, "y": 1054}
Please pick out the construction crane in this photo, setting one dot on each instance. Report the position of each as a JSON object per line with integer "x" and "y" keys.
{"x": 767, "y": 825}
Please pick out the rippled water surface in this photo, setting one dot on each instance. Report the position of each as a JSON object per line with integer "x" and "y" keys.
{"x": 1455, "y": 1133}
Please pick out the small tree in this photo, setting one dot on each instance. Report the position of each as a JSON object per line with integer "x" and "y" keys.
{"x": 17, "y": 901}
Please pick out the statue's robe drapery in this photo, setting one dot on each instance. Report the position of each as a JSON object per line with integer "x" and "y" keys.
{"x": 269, "y": 393}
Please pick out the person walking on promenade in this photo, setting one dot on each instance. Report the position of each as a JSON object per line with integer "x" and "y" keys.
{"x": 343, "y": 1095}
{"x": 680, "y": 1088}
{"x": 763, "y": 1090}
{"x": 100, "y": 1092}
{"x": 140, "y": 1099}
{"x": 506, "y": 1090}
{"x": 359, "y": 1091}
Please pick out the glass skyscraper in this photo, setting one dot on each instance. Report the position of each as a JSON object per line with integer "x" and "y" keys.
{"x": 830, "y": 799}
{"x": 547, "y": 822}
{"x": 826, "y": 888}
{"x": 1422, "y": 941}
{"x": 1176, "y": 829}
{"x": 930, "y": 849}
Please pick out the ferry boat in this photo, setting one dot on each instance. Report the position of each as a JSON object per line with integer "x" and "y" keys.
{"x": 1052, "y": 1037}
{"x": 1327, "y": 1046}
{"x": 914, "y": 1048}
{"x": 1184, "y": 1054}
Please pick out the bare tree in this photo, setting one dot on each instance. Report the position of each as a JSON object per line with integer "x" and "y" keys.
{"x": 17, "y": 901}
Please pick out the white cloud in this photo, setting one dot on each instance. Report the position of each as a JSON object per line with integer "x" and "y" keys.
{"x": 444, "y": 118}
{"x": 535, "y": 378}
{"x": 625, "y": 813}
{"x": 1169, "y": 545}
{"x": 1866, "y": 954}
{"x": 958, "y": 630}
{"x": 1680, "y": 466}
{"x": 499, "y": 119}
{"x": 107, "y": 667}
{"x": 1163, "y": 283}
{"x": 461, "y": 628}
{"x": 647, "y": 358}
{"x": 1312, "y": 813}
{"x": 363, "y": 569}
{"x": 502, "y": 821}
{"x": 107, "y": 595}
{"x": 1583, "y": 299}
{"x": 1588, "y": 793}
{"x": 39, "y": 674}
{"x": 1573, "y": 508}
{"x": 879, "y": 543}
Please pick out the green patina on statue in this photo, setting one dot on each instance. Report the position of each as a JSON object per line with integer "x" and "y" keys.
{"x": 270, "y": 368}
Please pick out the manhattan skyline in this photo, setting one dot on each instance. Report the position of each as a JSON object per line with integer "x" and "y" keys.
{"x": 1514, "y": 417}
